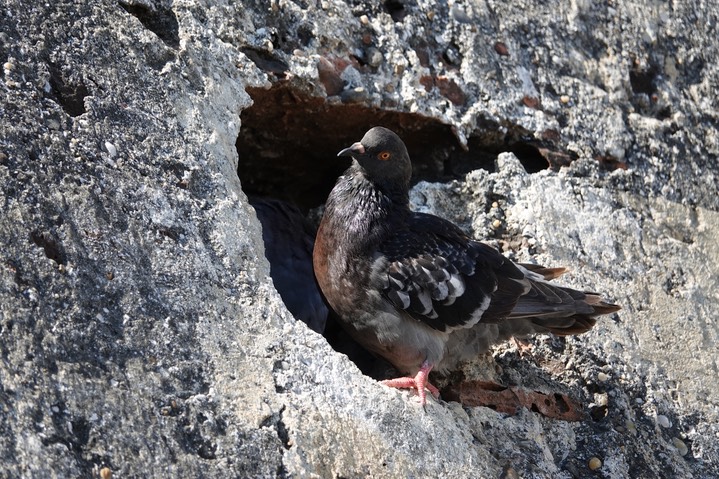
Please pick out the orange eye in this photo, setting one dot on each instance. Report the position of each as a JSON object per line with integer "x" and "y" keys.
{"x": 384, "y": 155}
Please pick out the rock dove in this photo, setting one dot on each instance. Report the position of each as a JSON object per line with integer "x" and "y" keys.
{"x": 288, "y": 239}
{"x": 416, "y": 290}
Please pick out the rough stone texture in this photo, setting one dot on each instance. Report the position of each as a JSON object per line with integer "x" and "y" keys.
{"x": 139, "y": 330}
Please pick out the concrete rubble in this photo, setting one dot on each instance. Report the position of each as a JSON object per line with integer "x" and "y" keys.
{"x": 141, "y": 335}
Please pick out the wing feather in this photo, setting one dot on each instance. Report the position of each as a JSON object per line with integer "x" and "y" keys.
{"x": 440, "y": 276}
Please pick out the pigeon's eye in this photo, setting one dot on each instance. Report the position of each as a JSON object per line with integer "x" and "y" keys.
{"x": 385, "y": 155}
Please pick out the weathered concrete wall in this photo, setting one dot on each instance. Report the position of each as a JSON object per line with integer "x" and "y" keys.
{"x": 140, "y": 333}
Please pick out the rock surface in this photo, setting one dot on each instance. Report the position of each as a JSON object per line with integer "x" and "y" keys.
{"x": 139, "y": 330}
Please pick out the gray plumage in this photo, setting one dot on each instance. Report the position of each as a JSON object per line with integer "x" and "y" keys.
{"x": 416, "y": 290}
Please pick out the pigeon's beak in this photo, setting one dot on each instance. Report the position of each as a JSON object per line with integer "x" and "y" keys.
{"x": 355, "y": 149}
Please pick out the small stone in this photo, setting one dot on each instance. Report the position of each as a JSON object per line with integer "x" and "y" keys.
{"x": 682, "y": 448}
{"x": 430, "y": 15}
{"x": 449, "y": 89}
{"x": 364, "y": 20}
{"x": 111, "y": 150}
{"x": 374, "y": 57}
{"x": 427, "y": 81}
{"x": 551, "y": 134}
{"x": 531, "y": 102}
{"x": 106, "y": 473}
{"x": 631, "y": 427}
{"x": 452, "y": 55}
{"x": 564, "y": 99}
{"x": 663, "y": 421}
{"x": 354, "y": 95}
{"x": 594, "y": 463}
{"x": 329, "y": 76}
{"x": 602, "y": 377}
{"x": 501, "y": 49}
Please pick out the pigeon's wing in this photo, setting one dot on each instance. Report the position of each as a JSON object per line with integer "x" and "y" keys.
{"x": 440, "y": 276}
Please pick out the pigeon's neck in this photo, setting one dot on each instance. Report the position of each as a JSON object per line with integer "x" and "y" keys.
{"x": 364, "y": 211}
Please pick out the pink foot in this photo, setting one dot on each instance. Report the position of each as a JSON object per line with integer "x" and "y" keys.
{"x": 419, "y": 382}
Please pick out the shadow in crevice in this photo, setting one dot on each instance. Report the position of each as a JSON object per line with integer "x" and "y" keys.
{"x": 289, "y": 141}
{"x": 68, "y": 92}
{"x": 161, "y": 21}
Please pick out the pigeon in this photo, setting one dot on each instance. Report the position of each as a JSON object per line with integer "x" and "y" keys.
{"x": 413, "y": 288}
{"x": 288, "y": 239}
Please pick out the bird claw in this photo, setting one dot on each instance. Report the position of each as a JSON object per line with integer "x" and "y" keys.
{"x": 419, "y": 382}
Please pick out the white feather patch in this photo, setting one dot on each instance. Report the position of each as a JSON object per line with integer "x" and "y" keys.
{"x": 400, "y": 297}
{"x": 441, "y": 292}
{"x": 477, "y": 313}
{"x": 456, "y": 286}
{"x": 426, "y": 303}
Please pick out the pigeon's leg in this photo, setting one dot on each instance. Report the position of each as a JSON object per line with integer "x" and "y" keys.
{"x": 419, "y": 382}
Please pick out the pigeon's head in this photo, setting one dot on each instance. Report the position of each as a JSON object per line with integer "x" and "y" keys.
{"x": 382, "y": 155}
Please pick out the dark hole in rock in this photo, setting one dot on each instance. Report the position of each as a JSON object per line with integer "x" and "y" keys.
{"x": 50, "y": 246}
{"x": 207, "y": 450}
{"x": 305, "y": 35}
{"x": 160, "y": 21}
{"x": 561, "y": 403}
{"x": 530, "y": 157}
{"x": 396, "y": 10}
{"x": 265, "y": 61}
{"x": 598, "y": 413}
{"x": 642, "y": 81}
{"x": 289, "y": 141}
{"x": 68, "y": 94}
{"x": 283, "y": 431}
{"x": 646, "y": 101}
{"x": 81, "y": 433}
{"x": 287, "y": 148}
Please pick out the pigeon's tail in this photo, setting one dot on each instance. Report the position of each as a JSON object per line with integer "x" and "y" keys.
{"x": 599, "y": 305}
{"x": 555, "y": 309}
{"x": 578, "y": 323}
